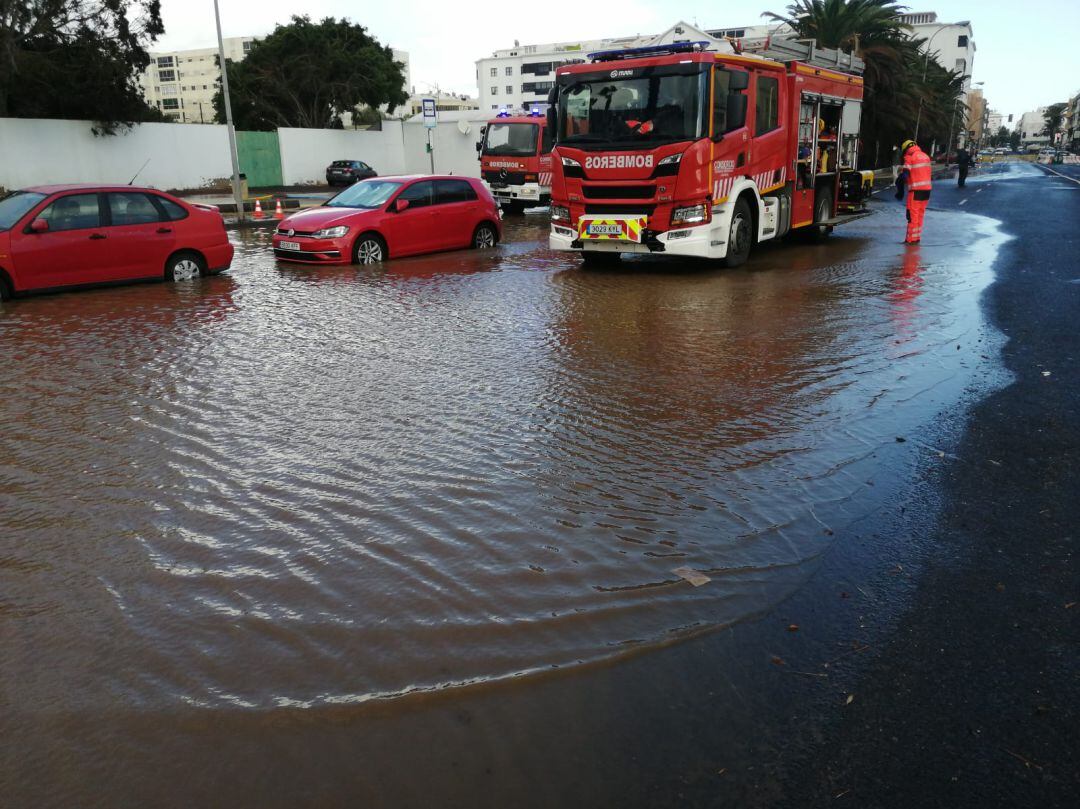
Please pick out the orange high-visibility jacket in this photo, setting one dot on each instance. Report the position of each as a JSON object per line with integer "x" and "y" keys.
{"x": 918, "y": 166}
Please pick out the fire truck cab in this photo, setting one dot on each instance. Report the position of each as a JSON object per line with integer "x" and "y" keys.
{"x": 680, "y": 150}
{"x": 515, "y": 160}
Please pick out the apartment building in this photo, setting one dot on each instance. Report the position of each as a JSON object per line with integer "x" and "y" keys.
{"x": 951, "y": 44}
{"x": 1031, "y": 127}
{"x": 182, "y": 84}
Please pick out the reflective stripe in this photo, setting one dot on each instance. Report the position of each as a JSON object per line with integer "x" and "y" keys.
{"x": 918, "y": 165}
{"x": 919, "y": 186}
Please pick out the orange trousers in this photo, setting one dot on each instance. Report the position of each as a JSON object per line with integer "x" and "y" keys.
{"x": 916, "y": 210}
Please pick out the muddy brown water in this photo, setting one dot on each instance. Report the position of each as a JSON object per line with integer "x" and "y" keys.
{"x": 290, "y": 488}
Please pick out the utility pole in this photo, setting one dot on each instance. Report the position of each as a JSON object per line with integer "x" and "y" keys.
{"x": 228, "y": 117}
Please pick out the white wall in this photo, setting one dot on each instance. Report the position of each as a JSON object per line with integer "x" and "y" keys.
{"x": 305, "y": 153}
{"x": 40, "y": 152}
{"x": 455, "y": 152}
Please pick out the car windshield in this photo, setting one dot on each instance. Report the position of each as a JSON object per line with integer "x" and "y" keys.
{"x": 511, "y": 140}
{"x": 366, "y": 194}
{"x": 15, "y": 205}
{"x": 634, "y": 111}
{"x": 341, "y": 164}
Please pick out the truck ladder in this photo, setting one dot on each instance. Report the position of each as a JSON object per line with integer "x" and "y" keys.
{"x": 805, "y": 51}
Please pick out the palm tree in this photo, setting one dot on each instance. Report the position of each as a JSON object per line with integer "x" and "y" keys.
{"x": 875, "y": 32}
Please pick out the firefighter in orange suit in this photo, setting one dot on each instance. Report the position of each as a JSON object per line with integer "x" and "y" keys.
{"x": 917, "y": 168}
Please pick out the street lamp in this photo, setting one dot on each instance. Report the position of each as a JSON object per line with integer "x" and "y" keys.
{"x": 228, "y": 117}
{"x": 925, "y": 64}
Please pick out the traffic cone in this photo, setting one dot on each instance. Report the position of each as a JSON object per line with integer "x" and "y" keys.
{"x": 258, "y": 210}
{"x": 278, "y": 212}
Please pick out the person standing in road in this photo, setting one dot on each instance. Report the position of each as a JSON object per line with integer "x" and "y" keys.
{"x": 963, "y": 163}
{"x": 917, "y": 170}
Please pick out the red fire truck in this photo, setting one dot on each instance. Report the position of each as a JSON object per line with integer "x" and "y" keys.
{"x": 686, "y": 151}
{"x": 515, "y": 160}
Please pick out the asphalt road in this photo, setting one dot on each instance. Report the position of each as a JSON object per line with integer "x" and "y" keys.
{"x": 971, "y": 698}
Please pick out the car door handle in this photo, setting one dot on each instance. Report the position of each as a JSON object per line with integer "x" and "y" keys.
{"x": 96, "y": 236}
{"x": 164, "y": 230}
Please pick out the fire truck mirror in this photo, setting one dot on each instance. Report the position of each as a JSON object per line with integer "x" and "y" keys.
{"x": 553, "y": 113}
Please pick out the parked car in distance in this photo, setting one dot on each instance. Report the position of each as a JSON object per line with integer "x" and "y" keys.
{"x": 78, "y": 235}
{"x": 347, "y": 172}
{"x": 391, "y": 217}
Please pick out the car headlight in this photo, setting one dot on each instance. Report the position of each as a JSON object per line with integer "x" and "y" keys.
{"x": 690, "y": 214}
{"x": 331, "y": 233}
{"x": 560, "y": 214}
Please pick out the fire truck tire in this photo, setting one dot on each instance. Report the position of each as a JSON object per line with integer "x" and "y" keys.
{"x": 822, "y": 209}
{"x": 595, "y": 258}
{"x": 740, "y": 235}
{"x": 515, "y": 208}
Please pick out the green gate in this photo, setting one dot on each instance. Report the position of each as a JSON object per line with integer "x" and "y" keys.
{"x": 260, "y": 158}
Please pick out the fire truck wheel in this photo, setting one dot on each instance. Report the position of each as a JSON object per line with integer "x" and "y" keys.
{"x": 595, "y": 258}
{"x": 822, "y": 209}
{"x": 740, "y": 235}
{"x": 515, "y": 208}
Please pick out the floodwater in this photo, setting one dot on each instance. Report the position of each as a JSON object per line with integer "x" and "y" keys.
{"x": 285, "y": 490}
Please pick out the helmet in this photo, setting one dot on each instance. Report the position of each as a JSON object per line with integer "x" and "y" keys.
{"x": 907, "y": 144}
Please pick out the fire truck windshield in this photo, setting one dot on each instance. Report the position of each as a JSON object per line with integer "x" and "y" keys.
{"x": 634, "y": 112}
{"x": 511, "y": 140}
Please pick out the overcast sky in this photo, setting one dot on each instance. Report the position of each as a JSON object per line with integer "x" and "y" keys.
{"x": 1028, "y": 52}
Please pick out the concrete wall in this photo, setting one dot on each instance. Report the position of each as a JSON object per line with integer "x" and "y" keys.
{"x": 305, "y": 153}
{"x": 38, "y": 152}
{"x": 455, "y": 152}
{"x": 187, "y": 156}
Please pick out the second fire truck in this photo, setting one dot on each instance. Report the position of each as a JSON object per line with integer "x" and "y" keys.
{"x": 515, "y": 160}
{"x": 685, "y": 151}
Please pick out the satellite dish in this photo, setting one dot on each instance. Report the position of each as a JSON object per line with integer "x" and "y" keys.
{"x": 464, "y": 127}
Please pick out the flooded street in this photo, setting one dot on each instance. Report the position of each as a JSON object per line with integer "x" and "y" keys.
{"x": 291, "y": 489}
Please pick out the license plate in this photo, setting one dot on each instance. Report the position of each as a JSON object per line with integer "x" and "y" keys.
{"x": 288, "y": 245}
{"x": 605, "y": 230}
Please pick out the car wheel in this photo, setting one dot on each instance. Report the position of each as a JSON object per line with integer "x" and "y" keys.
{"x": 369, "y": 249}
{"x": 485, "y": 237}
{"x": 184, "y": 267}
{"x": 740, "y": 235}
{"x": 5, "y": 289}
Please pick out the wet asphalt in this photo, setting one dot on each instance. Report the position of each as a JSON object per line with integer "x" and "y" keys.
{"x": 969, "y": 695}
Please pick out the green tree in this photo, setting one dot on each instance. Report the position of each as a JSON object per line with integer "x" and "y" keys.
{"x": 1054, "y": 116}
{"x": 1014, "y": 140}
{"x": 78, "y": 59}
{"x": 900, "y": 84}
{"x": 308, "y": 74}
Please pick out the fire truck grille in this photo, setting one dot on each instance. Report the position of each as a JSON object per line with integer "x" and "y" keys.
{"x": 505, "y": 177}
{"x": 646, "y": 210}
{"x": 620, "y": 191}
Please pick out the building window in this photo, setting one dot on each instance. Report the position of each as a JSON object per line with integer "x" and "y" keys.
{"x": 165, "y": 61}
{"x": 494, "y": 106}
{"x": 509, "y": 90}
{"x": 510, "y": 71}
{"x": 247, "y": 47}
{"x": 961, "y": 41}
{"x": 166, "y": 75}
{"x": 961, "y": 66}
{"x": 170, "y": 104}
{"x": 494, "y": 91}
{"x": 494, "y": 72}
{"x": 168, "y": 90}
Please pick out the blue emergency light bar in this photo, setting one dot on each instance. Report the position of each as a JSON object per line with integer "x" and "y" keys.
{"x": 648, "y": 50}
{"x": 535, "y": 112}
{"x": 503, "y": 113}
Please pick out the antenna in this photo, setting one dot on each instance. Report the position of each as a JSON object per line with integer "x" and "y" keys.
{"x": 132, "y": 181}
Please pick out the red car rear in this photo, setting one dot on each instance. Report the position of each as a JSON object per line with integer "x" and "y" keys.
{"x": 392, "y": 217}
{"x": 77, "y": 235}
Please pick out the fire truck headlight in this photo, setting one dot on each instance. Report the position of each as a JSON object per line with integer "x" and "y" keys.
{"x": 571, "y": 163}
{"x": 671, "y": 159}
{"x": 669, "y": 166}
{"x": 689, "y": 215}
{"x": 560, "y": 214}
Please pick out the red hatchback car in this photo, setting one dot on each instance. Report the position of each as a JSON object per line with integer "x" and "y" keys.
{"x": 392, "y": 216}
{"x": 77, "y": 235}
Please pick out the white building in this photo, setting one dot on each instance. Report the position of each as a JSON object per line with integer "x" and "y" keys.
{"x": 182, "y": 84}
{"x": 994, "y": 121}
{"x": 951, "y": 44}
{"x": 519, "y": 78}
{"x": 1031, "y": 126}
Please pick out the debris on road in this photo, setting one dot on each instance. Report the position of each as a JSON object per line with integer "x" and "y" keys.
{"x": 694, "y": 577}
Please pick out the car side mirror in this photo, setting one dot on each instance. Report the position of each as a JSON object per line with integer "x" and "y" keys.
{"x": 39, "y": 226}
{"x": 400, "y": 205}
